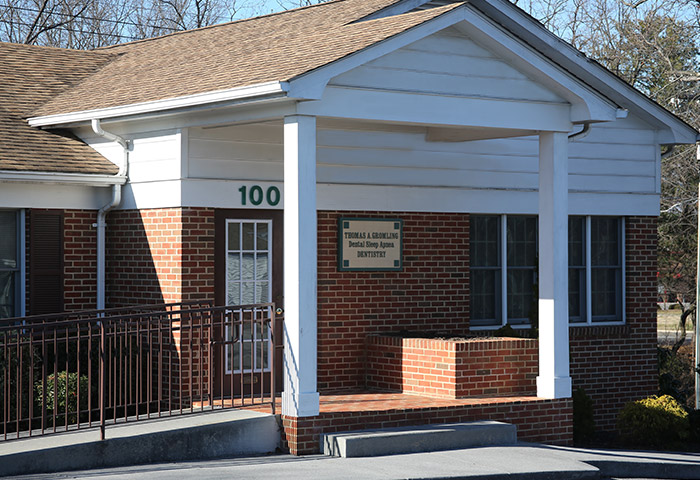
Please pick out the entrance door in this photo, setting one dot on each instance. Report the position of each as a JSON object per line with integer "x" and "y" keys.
{"x": 248, "y": 271}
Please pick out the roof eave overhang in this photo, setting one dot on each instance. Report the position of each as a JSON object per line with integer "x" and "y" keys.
{"x": 672, "y": 130}
{"x": 85, "y": 179}
{"x": 261, "y": 91}
{"x": 587, "y": 105}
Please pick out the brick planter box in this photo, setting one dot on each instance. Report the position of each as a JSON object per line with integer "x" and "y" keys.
{"x": 452, "y": 368}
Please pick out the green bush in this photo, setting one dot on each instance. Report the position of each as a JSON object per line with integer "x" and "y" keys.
{"x": 64, "y": 381}
{"x": 584, "y": 426}
{"x": 654, "y": 421}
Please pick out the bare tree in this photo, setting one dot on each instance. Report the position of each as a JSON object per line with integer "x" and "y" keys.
{"x": 86, "y": 24}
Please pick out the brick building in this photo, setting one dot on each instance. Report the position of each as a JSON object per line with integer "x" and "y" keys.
{"x": 381, "y": 170}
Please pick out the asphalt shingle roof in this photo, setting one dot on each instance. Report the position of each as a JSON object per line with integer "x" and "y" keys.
{"x": 31, "y": 76}
{"x": 276, "y": 47}
{"x": 39, "y": 81}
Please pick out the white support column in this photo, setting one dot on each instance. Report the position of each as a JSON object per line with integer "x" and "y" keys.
{"x": 553, "y": 380}
{"x": 300, "y": 398}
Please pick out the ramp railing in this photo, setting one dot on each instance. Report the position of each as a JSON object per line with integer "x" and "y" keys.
{"x": 102, "y": 367}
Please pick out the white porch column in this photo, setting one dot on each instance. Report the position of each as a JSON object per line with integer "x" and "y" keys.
{"x": 553, "y": 380}
{"x": 300, "y": 398}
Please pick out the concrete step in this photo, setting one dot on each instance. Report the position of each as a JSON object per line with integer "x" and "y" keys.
{"x": 424, "y": 438}
{"x": 217, "y": 434}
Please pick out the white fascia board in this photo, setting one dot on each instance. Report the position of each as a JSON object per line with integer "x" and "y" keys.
{"x": 587, "y": 105}
{"x": 91, "y": 180}
{"x": 248, "y": 92}
{"x": 672, "y": 129}
{"x": 311, "y": 85}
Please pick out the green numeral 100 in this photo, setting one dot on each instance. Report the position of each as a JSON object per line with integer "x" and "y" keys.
{"x": 256, "y": 197}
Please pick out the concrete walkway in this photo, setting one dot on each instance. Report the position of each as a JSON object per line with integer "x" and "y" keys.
{"x": 523, "y": 461}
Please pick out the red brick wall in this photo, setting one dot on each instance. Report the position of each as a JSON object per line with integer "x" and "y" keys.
{"x": 80, "y": 260}
{"x": 432, "y": 291}
{"x": 452, "y": 368}
{"x": 165, "y": 255}
{"x": 617, "y": 364}
{"x": 546, "y": 421}
{"x": 160, "y": 255}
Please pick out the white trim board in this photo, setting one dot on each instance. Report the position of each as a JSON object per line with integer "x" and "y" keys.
{"x": 345, "y": 197}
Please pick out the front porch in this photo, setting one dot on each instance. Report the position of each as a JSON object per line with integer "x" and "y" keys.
{"x": 537, "y": 419}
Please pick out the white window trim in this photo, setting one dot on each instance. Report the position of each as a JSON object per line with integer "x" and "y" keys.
{"x": 589, "y": 289}
{"x": 503, "y": 239}
{"x": 254, "y": 340}
{"x": 589, "y": 311}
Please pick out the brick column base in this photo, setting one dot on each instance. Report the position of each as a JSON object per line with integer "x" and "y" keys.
{"x": 300, "y": 435}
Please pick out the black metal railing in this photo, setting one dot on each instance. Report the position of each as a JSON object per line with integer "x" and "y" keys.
{"x": 94, "y": 368}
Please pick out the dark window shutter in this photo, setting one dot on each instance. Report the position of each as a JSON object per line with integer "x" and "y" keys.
{"x": 46, "y": 261}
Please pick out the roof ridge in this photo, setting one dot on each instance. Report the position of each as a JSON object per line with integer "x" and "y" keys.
{"x": 208, "y": 27}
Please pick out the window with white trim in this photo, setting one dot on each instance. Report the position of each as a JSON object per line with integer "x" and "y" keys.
{"x": 596, "y": 270}
{"x": 505, "y": 292}
{"x": 499, "y": 287}
{"x": 10, "y": 264}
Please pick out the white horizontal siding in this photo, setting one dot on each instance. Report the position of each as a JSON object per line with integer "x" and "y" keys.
{"x": 446, "y": 63}
{"x": 155, "y": 158}
{"x": 612, "y": 158}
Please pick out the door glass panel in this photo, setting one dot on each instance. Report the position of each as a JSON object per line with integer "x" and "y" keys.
{"x": 261, "y": 268}
{"x": 247, "y": 331}
{"x": 261, "y": 352}
{"x": 248, "y": 266}
{"x": 248, "y": 236}
{"x": 234, "y": 293}
{"x": 233, "y": 267}
{"x": 247, "y": 349}
{"x": 262, "y": 293}
{"x": 236, "y": 357}
{"x": 247, "y": 293}
{"x": 262, "y": 236}
{"x": 234, "y": 236}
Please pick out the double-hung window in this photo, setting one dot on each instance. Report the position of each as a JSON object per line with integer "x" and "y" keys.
{"x": 504, "y": 258}
{"x": 596, "y": 270}
{"x": 10, "y": 264}
{"x": 503, "y": 291}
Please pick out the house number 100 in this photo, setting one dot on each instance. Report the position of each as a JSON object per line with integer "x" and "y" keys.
{"x": 256, "y": 197}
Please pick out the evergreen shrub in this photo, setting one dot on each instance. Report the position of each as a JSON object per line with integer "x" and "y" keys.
{"x": 654, "y": 422}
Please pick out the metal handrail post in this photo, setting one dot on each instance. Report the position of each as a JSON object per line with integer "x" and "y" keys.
{"x": 102, "y": 380}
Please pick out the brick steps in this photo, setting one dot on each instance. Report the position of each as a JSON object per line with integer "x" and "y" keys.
{"x": 424, "y": 438}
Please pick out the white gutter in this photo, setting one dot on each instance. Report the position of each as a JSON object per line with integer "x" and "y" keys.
{"x": 102, "y": 213}
{"x": 239, "y": 93}
{"x": 87, "y": 179}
